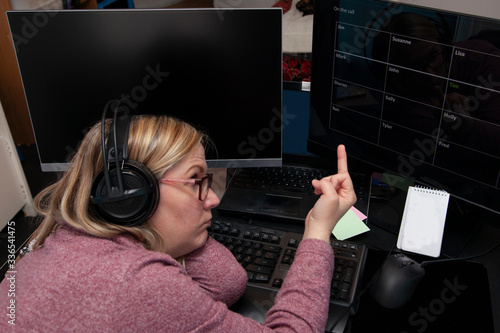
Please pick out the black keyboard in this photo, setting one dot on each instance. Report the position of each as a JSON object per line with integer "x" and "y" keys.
{"x": 297, "y": 179}
{"x": 285, "y": 178}
{"x": 266, "y": 254}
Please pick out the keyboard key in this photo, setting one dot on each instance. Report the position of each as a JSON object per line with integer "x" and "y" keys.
{"x": 272, "y": 248}
{"x": 271, "y": 256}
{"x": 349, "y": 274}
{"x": 275, "y": 239}
{"x": 267, "y": 254}
{"x": 259, "y": 269}
{"x": 347, "y": 254}
{"x": 286, "y": 259}
{"x": 265, "y": 262}
{"x": 261, "y": 278}
{"x": 344, "y": 291}
{"x": 277, "y": 282}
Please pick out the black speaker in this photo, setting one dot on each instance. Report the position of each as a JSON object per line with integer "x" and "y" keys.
{"x": 126, "y": 191}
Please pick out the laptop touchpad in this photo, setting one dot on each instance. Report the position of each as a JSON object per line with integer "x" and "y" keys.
{"x": 281, "y": 204}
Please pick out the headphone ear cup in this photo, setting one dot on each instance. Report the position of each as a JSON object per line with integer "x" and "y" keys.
{"x": 136, "y": 208}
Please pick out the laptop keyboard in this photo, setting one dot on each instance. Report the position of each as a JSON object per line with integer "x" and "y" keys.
{"x": 285, "y": 178}
{"x": 266, "y": 254}
{"x": 297, "y": 179}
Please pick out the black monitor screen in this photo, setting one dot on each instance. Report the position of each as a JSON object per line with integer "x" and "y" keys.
{"x": 413, "y": 90}
{"x": 218, "y": 69}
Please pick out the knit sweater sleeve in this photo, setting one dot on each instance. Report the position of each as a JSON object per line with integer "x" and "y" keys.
{"x": 163, "y": 297}
{"x": 303, "y": 301}
{"x": 217, "y": 272}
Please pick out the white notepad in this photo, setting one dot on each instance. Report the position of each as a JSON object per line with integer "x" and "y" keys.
{"x": 423, "y": 221}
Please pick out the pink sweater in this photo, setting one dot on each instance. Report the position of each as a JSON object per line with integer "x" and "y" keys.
{"x": 77, "y": 282}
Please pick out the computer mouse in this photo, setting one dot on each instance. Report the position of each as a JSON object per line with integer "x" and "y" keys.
{"x": 398, "y": 278}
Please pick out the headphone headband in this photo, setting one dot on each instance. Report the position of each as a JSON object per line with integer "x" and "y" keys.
{"x": 125, "y": 192}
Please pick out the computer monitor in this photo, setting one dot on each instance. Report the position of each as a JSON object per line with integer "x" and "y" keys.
{"x": 412, "y": 90}
{"x": 218, "y": 69}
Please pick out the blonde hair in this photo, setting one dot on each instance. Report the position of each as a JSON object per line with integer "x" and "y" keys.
{"x": 158, "y": 142}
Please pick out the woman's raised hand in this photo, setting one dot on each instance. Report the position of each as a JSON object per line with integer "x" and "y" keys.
{"x": 336, "y": 198}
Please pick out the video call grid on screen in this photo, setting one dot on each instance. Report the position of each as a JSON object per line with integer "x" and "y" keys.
{"x": 400, "y": 75}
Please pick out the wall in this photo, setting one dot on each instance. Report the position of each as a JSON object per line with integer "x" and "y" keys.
{"x": 487, "y": 8}
{"x": 14, "y": 191}
{"x": 11, "y": 89}
{"x": 295, "y": 121}
{"x": 36, "y": 4}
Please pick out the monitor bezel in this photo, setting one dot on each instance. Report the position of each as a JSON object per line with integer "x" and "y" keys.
{"x": 387, "y": 161}
{"x": 247, "y": 160}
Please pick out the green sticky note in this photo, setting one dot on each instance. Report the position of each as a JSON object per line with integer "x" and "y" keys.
{"x": 350, "y": 225}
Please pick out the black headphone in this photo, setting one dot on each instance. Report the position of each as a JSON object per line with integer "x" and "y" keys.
{"x": 126, "y": 191}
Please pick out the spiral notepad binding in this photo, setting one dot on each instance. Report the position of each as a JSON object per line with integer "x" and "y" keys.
{"x": 426, "y": 189}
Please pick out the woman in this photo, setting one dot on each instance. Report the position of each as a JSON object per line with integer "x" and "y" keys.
{"x": 166, "y": 274}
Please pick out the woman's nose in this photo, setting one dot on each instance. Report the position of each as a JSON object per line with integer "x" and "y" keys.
{"x": 212, "y": 200}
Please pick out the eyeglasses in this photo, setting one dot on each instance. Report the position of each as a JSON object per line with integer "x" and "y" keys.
{"x": 204, "y": 184}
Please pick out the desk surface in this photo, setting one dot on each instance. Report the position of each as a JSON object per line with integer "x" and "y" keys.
{"x": 472, "y": 310}
{"x": 469, "y": 230}
{"x": 452, "y": 297}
